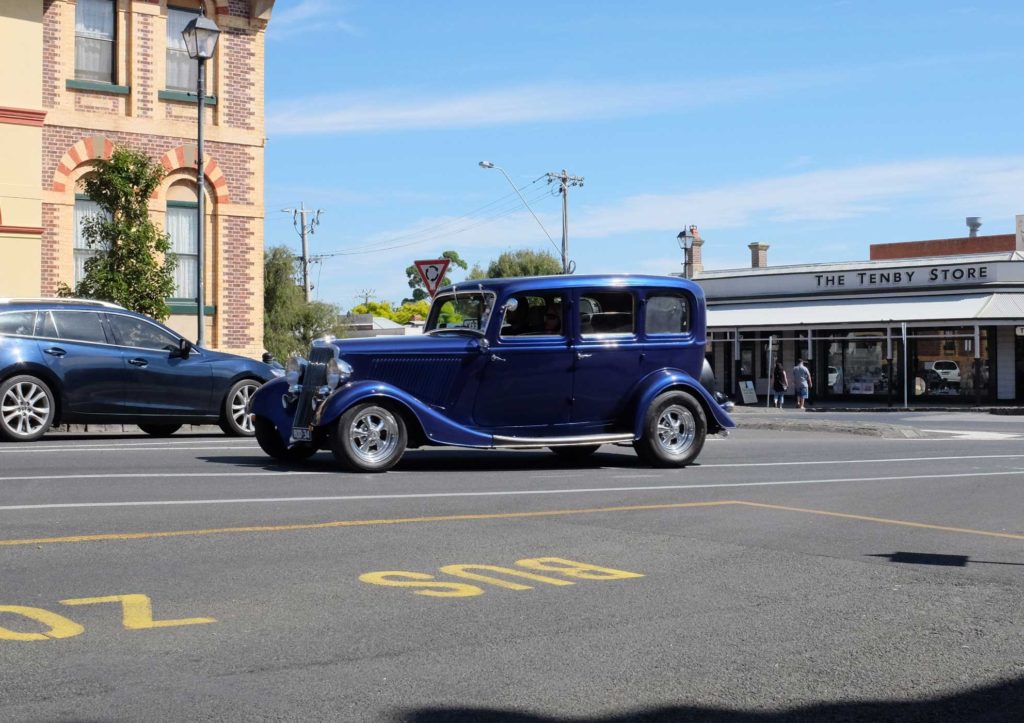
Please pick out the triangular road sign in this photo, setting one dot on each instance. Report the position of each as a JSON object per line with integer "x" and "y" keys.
{"x": 432, "y": 273}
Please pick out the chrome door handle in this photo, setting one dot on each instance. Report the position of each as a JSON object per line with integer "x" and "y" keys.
{"x": 495, "y": 357}
{"x": 55, "y": 351}
{"x": 138, "y": 362}
{"x": 580, "y": 355}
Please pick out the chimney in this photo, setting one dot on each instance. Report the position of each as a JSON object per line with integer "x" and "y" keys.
{"x": 973, "y": 223}
{"x": 697, "y": 265}
{"x": 758, "y": 255}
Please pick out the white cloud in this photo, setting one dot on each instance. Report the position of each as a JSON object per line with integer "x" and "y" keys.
{"x": 309, "y": 15}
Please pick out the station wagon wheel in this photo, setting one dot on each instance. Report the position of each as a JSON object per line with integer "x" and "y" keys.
{"x": 26, "y": 409}
{"x": 233, "y": 418}
{"x": 270, "y": 442}
{"x": 673, "y": 432}
{"x": 369, "y": 437}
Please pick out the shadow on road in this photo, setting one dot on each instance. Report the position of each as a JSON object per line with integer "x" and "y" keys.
{"x": 931, "y": 558}
{"x": 998, "y": 703}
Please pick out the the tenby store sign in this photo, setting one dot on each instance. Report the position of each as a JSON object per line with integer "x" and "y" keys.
{"x": 853, "y": 278}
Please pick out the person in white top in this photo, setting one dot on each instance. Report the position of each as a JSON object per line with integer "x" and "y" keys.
{"x": 802, "y": 380}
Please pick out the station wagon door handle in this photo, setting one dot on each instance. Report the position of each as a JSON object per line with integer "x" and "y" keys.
{"x": 138, "y": 362}
{"x": 55, "y": 351}
{"x": 580, "y": 355}
{"x": 495, "y": 357}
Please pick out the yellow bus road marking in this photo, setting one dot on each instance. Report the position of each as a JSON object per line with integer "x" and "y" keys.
{"x": 114, "y": 536}
{"x": 884, "y": 520}
{"x": 352, "y": 523}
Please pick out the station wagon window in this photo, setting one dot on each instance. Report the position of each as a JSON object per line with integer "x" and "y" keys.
{"x": 79, "y": 326}
{"x": 667, "y": 315}
{"x": 607, "y": 313}
{"x": 45, "y": 326}
{"x": 535, "y": 315}
{"x": 460, "y": 311}
{"x": 17, "y": 323}
{"x": 139, "y": 333}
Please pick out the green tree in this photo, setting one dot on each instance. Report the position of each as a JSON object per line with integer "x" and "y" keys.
{"x": 134, "y": 266}
{"x": 290, "y": 324}
{"x": 416, "y": 283}
{"x": 405, "y": 312}
{"x": 476, "y": 273}
{"x": 376, "y": 308}
{"x": 524, "y": 262}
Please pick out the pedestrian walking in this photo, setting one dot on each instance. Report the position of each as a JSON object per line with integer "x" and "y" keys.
{"x": 802, "y": 383}
{"x": 780, "y": 383}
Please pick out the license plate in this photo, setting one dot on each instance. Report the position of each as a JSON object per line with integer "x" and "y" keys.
{"x": 301, "y": 434}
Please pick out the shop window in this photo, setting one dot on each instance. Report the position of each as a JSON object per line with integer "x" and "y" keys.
{"x": 94, "y": 40}
{"x": 182, "y": 217}
{"x": 84, "y": 209}
{"x": 182, "y": 71}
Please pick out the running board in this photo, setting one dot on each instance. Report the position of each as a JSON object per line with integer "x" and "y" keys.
{"x": 500, "y": 442}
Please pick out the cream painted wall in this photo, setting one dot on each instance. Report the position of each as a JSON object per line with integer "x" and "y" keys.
{"x": 21, "y": 47}
{"x": 19, "y": 264}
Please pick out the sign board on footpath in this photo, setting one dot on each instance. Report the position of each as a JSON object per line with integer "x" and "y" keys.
{"x": 432, "y": 272}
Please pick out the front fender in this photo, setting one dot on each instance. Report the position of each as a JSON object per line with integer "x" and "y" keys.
{"x": 678, "y": 379}
{"x": 266, "y": 403}
{"x": 437, "y": 428}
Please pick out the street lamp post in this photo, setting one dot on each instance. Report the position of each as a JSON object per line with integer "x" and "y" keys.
{"x": 201, "y": 36}
{"x": 685, "y": 239}
{"x": 565, "y": 261}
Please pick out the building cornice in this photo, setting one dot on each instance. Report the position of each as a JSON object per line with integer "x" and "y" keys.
{"x": 22, "y": 116}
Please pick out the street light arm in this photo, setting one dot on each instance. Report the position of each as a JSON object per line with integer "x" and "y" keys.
{"x": 488, "y": 164}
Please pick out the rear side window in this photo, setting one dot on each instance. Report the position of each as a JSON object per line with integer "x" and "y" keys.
{"x": 667, "y": 315}
{"x": 607, "y": 313}
{"x": 79, "y": 326}
{"x": 17, "y": 323}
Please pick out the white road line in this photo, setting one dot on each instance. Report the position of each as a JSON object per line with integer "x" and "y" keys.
{"x": 119, "y": 448}
{"x": 860, "y": 461}
{"x": 162, "y": 475}
{"x": 976, "y": 435}
{"x": 503, "y": 493}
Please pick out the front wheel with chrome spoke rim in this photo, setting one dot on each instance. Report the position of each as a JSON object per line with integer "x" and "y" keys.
{"x": 369, "y": 437}
{"x": 674, "y": 430}
{"x": 234, "y": 419}
{"x": 26, "y": 409}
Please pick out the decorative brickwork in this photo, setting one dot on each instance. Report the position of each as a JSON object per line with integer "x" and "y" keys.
{"x": 144, "y": 31}
{"x": 50, "y": 261}
{"x": 239, "y": 76}
{"x": 238, "y": 301}
{"x": 1006, "y": 242}
{"x": 51, "y": 52}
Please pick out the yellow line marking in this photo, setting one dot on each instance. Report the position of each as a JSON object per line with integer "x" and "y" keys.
{"x": 884, "y": 520}
{"x": 487, "y": 516}
{"x": 353, "y": 523}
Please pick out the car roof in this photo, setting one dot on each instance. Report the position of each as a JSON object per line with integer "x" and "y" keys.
{"x": 59, "y": 303}
{"x": 527, "y": 283}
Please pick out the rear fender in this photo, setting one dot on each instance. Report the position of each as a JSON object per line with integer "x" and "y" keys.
{"x": 437, "y": 428}
{"x": 671, "y": 379}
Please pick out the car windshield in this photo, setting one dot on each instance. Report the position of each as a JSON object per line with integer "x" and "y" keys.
{"x": 460, "y": 312}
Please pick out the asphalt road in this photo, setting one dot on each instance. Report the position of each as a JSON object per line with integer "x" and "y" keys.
{"x": 789, "y": 575}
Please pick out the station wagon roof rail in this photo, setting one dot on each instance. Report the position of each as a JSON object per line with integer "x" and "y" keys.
{"x": 60, "y": 300}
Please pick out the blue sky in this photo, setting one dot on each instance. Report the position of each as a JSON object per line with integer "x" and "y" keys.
{"x": 816, "y": 127}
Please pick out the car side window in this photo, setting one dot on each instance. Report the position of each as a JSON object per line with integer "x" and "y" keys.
{"x": 45, "y": 327}
{"x": 535, "y": 315}
{"x": 139, "y": 333}
{"x": 667, "y": 315}
{"x": 17, "y": 323}
{"x": 607, "y": 313}
{"x": 79, "y": 326}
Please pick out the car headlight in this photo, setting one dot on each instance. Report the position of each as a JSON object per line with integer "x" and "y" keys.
{"x": 338, "y": 370}
{"x": 293, "y": 369}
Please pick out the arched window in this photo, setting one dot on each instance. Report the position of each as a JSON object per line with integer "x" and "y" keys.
{"x": 182, "y": 226}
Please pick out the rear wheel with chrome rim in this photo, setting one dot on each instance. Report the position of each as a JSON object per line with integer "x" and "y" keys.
{"x": 234, "y": 419}
{"x": 674, "y": 430}
{"x": 26, "y": 409}
{"x": 369, "y": 437}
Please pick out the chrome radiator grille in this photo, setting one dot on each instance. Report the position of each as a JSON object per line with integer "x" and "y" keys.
{"x": 314, "y": 378}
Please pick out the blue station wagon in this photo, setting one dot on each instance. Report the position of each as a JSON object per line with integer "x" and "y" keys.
{"x": 565, "y": 362}
{"x": 74, "y": 361}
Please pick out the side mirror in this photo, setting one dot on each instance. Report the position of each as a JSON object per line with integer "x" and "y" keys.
{"x": 510, "y": 305}
{"x": 184, "y": 348}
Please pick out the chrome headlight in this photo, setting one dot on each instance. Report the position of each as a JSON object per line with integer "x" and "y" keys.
{"x": 338, "y": 370}
{"x": 293, "y": 369}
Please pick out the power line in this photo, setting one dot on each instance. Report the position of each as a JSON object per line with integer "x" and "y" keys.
{"x": 299, "y": 221}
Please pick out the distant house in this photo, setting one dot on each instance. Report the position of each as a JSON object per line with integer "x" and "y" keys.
{"x": 362, "y": 325}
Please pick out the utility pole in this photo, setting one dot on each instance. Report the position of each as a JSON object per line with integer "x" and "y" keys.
{"x": 365, "y": 295}
{"x": 564, "y": 182}
{"x": 299, "y": 221}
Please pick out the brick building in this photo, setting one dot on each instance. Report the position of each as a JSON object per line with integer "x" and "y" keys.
{"x": 95, "y": 73}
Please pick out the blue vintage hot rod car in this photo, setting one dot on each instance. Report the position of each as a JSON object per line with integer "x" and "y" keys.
{"x": 566, "y": 362}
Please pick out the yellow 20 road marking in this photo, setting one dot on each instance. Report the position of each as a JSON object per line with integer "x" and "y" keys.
{"x": 489, "y": 516}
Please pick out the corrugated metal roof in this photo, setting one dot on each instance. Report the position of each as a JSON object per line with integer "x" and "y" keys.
{"x": 945, "y": 308}
{"x": 836, "y": 266}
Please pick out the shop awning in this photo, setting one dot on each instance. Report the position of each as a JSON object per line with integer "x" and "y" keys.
{"x": 952, "y": 308}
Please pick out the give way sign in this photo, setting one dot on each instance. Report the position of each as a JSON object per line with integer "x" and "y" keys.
{"x": 432, "y": 272}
